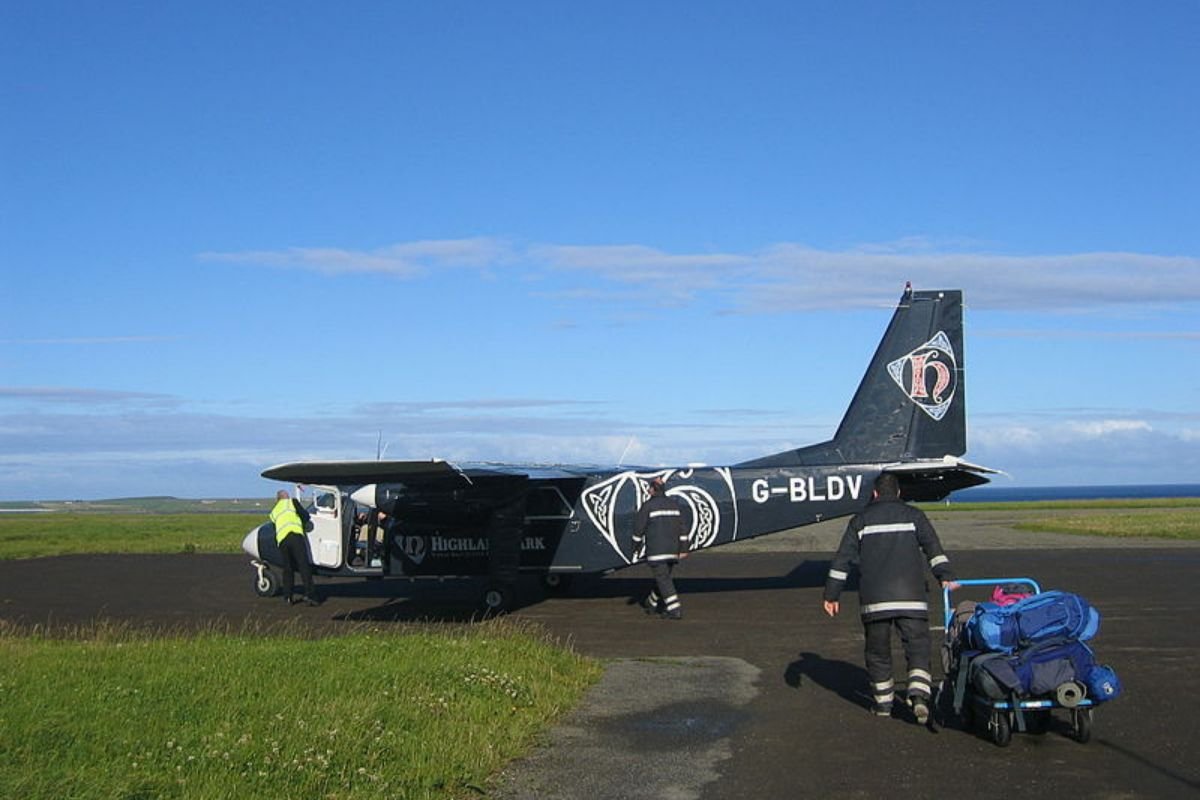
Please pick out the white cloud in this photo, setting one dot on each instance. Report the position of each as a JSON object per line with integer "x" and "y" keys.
{"x": 1096, "y": 429}
{"x": 404, "y": 260}
{"x": 46, "y": 454}
{"x": 66, "y": 395}
{"x": 782, "y": 277}
{"x": 1062, "y": 449}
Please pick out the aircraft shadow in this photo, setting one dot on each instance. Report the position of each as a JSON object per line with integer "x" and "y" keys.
{"x": 458, "y": 599}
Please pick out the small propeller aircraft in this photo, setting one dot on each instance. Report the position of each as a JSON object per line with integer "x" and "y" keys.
{"x": 378, "y": 519}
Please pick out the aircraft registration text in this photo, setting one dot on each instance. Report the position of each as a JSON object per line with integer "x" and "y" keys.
{"x": 800, "y": 489}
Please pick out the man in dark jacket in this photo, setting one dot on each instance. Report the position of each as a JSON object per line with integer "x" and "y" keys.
{"x": 892, "y": 543}
{"x": 660, "y": 536}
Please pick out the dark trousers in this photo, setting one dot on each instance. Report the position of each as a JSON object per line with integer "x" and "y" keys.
{"x": 914, "y": 635}
{"x": 664, "y": 587}
{"x": 295, "y": 557}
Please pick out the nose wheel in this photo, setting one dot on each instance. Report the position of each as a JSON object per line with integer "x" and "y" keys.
{"x": 266, "y": 583}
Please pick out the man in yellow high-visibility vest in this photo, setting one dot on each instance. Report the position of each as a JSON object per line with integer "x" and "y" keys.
{"x": 289, "y": 535}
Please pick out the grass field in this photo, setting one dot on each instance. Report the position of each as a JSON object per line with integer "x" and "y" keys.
{"x": 116, "y": 529}
{"x": 1159, "y": 518}
{"x": 1181, "y": 524}
{"x": 61, "y": 533}
{"x": 426, "y": 714}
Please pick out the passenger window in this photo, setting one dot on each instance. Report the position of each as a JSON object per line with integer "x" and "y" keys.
{"x": 546, "y": 501}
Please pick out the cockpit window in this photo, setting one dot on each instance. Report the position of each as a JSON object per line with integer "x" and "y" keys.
{"x": 546, "y": 501}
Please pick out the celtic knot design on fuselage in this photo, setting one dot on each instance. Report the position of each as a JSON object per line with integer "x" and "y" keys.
{"x": 705, "y": 515}
{"x": 601, "y": 502}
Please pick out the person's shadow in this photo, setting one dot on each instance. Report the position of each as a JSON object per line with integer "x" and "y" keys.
{"x": 848, "y": 681}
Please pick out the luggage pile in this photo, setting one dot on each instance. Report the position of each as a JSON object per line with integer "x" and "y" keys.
{"x": 1012, "y": 660}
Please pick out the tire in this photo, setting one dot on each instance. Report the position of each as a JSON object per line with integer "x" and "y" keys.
{"x": 1082, "y": 719}
{"x": 497, "y": 598}
{"x": 1001, "y": 728}
{"x": 266, "y": 584}
{"x": 556, "y": 582}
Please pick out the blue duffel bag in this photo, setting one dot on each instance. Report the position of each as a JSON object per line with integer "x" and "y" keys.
{"x": 1037, "y": 618}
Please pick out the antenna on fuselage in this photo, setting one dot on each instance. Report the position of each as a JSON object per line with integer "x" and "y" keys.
{"x": 625, "y": 452}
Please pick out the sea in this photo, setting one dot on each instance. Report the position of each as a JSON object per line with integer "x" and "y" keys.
{"x": 1003, "y": 494}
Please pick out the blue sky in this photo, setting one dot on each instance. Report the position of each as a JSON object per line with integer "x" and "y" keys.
{"x": 238, "y": 234}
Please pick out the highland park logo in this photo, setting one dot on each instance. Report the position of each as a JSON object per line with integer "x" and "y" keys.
{"x": 928, "y": 375}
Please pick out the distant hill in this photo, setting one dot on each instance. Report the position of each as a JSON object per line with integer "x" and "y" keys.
{"x": 143, "y": 505}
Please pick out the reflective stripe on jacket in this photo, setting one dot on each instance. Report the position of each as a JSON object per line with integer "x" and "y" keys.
{"x": 285, "y": 519}
{"x": 892, "y": 543}
{"x": 659, "y": 529}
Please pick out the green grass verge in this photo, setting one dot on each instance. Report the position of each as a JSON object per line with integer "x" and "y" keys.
{"x": 1179, "y": 524}
{"x": 431, "y": 714}
{"x": 54, "y": 534}
{"x": 1158, "y": 518}
{"x": 1068, "y": 505}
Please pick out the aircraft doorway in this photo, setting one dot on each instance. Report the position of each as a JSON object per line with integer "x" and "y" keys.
{"x": 367, "y": 539}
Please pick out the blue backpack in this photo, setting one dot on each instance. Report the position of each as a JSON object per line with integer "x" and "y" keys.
{"x": 1102, "y": 683}
{"x": 1040, "y": 670}
{"x": 1037, "y": 618}
{"x": 1034, "y": 671}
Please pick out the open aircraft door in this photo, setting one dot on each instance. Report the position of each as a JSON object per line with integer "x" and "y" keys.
{"x": 326, "y": 505}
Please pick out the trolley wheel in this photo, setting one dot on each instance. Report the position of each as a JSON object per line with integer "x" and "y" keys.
{"x": 1001, "y": 728}
{"x": 266, "y": 584}
{"x": 1081, "y": 719}
{"x": 943, "y": 705}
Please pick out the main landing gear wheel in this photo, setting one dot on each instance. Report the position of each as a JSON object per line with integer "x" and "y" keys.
{"x": 266, "y": 584}
{"x": 556, "y": 582}
{"x": 498, "y": 598}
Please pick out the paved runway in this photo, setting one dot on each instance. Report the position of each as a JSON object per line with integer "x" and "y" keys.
{"x": 763, "y": 695}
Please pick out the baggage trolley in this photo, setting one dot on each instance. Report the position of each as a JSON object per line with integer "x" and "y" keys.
{"x": 999, "y": 718}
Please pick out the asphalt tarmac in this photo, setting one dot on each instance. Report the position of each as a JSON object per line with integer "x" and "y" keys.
{"x": 756, "y": 693}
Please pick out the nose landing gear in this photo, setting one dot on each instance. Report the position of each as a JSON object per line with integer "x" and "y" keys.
{"x": 266, "y": 583}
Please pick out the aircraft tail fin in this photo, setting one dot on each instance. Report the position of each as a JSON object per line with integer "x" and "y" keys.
{"x": 910, "y": 404}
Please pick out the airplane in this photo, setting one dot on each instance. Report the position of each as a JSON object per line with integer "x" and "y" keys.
{"x": 379, "y": 519}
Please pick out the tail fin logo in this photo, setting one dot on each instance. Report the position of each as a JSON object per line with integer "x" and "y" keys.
{"x": 928, "y": 375}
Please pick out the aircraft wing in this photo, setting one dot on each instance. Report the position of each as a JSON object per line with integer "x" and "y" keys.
{"x": 434, "y": 471}
{"x": 342, "y": 473}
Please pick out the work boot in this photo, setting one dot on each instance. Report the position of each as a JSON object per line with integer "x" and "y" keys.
{"x": 649, "y": 608}
{"x": 676, "y": 615}
{"x": 882, "y": 709}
